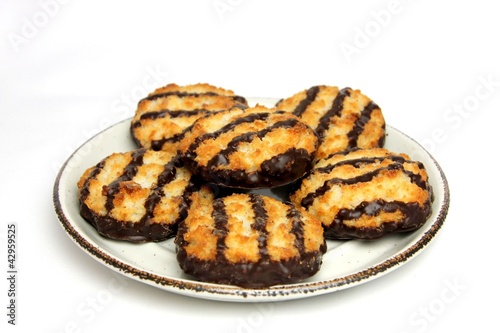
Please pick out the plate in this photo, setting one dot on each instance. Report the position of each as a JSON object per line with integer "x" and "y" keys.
{"x": 345, "y": 264}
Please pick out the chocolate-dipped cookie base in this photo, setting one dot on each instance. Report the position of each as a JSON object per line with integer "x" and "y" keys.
{"x": 248, "y": 240}
{"x": 138, "y": 196}
{"x": 366, "y": 193}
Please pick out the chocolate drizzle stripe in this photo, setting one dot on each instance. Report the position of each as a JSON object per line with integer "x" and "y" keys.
{"x": 334, "y": 111}
{"x": 192, "y": 187}
{"x": 85, "y": 191}
{"x": 176, "y": 138}
{"x": 222, "y": 158}
{"x": 297, "y": 228}
{"x": 311, "y": 94}
{"x": 358, "y": 162}
{"x": 225, "y": 129}
{"x": 181, "y": 94}
{"x": 166, "y": 176}
{"x": 153, "y": 115}
{"x": 373, "y": 208}
{"x": 220, "y": 218}
{"x": 261, "y": 219}
{"x": 360, "y": 123}
{"x": 327, "y": 185}
{"x": 417, "y": 180}
{"x": 129, "y": 172}
{"x": 366, "y": 177}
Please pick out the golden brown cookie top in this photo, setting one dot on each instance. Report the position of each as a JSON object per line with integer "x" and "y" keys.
{"x": 135, "y": 190}
{"x": 249, "y": 240}
{"x": 248, "y": 228}
{"x": 343, "y": 118}
{"x": 197, "y": 88}
{"x": 165, "y": 113}
{"x": 367, "y": 189}
{"x": 249, "y": 147}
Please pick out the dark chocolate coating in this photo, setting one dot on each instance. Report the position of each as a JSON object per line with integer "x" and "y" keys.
{"x": 415, "y": 217}
{"x": 139, "y": 232}
{"x": 249, "y": 275}
{"x": 278, "y": 171}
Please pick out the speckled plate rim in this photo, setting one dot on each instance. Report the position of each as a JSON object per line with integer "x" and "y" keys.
{"x": 276, "y": 293}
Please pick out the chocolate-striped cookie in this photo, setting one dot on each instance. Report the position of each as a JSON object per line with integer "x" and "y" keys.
{"x": 366, "y": 193}
{"x": 249, "y": 148}
{"x": 137, "y": 196}
{"x": 343, "y": 118}
{"x": 164, "y": 114}
{"x": 248, "y": 240}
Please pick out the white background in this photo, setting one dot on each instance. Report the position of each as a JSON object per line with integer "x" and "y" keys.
{"x": 69, "y": 69}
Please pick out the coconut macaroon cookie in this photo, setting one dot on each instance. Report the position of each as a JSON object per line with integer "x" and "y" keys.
{"x": 137, "y": 196}
{"x": 366, "y": 193}
{"x": 252, "y": 147}
{"x": 164, "y": 114}
{"x": 343, "y": 118}
{"x": 248, "y": 240}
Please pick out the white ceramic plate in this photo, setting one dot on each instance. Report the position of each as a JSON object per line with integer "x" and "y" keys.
{"x": 346, "y": 263}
